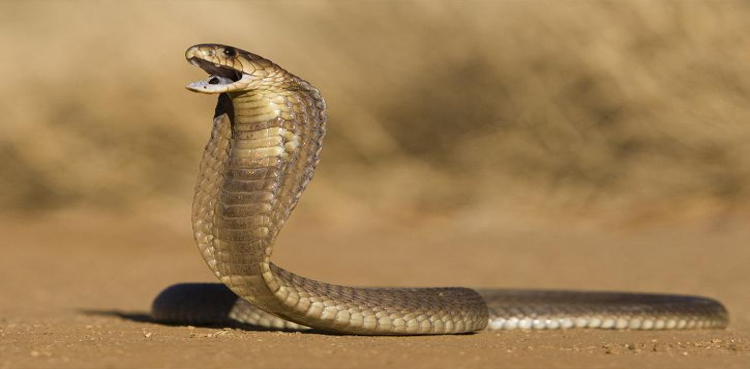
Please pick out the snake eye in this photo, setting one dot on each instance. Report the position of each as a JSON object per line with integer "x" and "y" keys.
{"x": 230, "y": 51}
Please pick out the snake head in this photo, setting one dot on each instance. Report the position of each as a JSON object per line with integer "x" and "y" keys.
{"x": 231, "y": 69}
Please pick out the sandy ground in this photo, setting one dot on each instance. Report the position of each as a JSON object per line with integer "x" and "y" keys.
{"x": 76, "y": 289}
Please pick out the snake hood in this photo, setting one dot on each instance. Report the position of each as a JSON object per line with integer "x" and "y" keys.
{"x": 231, "y": 69}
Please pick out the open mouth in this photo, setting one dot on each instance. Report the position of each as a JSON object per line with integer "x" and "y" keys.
{"x": 221, "y": 78}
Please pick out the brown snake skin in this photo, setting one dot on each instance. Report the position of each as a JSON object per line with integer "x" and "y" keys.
{"x": 266, "y": 141}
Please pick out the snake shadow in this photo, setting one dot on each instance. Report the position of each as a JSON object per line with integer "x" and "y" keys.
{"x": 207, "y": 305}
{"x": 145, "y": 317}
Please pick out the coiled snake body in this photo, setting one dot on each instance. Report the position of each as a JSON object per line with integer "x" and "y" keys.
{"x": 266, "y": 140}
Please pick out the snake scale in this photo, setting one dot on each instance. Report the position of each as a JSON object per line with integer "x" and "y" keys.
{"x": 265, "y": 144}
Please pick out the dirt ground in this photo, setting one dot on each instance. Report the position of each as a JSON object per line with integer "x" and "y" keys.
{"x": 75, "y": 290}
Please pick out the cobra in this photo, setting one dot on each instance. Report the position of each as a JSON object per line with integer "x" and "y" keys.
{"x": 267, "y": 136}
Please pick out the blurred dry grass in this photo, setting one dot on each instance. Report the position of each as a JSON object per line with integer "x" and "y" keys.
{"x": 621, "y": 110}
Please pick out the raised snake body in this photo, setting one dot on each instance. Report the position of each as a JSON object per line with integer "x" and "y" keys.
{"x": 265, "y": 144}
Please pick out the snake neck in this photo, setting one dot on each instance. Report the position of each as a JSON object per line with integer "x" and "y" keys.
{"x": 261, "y": 155}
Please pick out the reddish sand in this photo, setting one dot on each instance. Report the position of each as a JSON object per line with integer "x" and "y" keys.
{"x": 76, "y": 289}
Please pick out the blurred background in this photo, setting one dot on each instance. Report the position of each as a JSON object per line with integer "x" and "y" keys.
{"x": 613, "y": 113}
